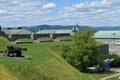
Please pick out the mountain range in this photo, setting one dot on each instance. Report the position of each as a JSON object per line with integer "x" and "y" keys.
{"x": 51, "y": 27}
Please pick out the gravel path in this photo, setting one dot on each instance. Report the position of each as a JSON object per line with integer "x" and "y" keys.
{"x": 115, "y": 75}
{"x": 22, "y": 57}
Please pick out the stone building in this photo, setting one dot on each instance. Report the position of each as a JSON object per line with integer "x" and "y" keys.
{"x": 110, "y": 37}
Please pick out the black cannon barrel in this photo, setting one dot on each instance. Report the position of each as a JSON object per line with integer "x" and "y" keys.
{"x": 24, "y": 49}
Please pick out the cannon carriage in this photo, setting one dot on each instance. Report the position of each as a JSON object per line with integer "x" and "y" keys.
{"x": 14, "y": 51}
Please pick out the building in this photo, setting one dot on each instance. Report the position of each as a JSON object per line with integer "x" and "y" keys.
{"x": 110, "y": 37}
{"x": 11, "y": 31}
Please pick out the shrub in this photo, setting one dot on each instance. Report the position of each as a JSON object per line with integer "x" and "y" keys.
{"x": 84, "y": 49}
{"x": 65, "y": 50}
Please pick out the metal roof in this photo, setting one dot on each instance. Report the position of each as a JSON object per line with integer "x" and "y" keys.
{"x": 54, "y": 31}
{"x": 17, "y": 31}
{"x": 107, "y": 34}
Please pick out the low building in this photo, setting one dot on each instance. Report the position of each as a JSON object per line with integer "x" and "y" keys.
{"x": 110, "y": 37}
{"x": 16, "y": 31}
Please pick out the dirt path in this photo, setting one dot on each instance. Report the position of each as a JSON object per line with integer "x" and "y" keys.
{"x": 115, "y": 75}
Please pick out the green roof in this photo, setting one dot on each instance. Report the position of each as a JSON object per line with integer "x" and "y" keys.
{"x": 69, "y": 31}
{"x": 17, "y": 31}
{"x": 107, "y": 34}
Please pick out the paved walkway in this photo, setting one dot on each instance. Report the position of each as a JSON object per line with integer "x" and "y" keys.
{"x": 115, "y": 75}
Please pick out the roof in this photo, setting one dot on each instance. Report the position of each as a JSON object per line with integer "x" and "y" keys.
{"x": 107, "y": 34}
{"x": 17, "y": 31}
{"x": 69, "y": 31}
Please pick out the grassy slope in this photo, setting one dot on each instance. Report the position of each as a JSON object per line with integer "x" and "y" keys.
{"x": 3, "y": 42}
{"x": 46, "y": 65}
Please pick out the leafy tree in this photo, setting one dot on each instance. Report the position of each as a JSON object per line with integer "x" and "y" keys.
{"x": 84, "y": 49}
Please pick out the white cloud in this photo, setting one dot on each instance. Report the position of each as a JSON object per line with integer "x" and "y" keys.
{"x": 35, "y": 12}
{"x": 23, "y": 11}
{"x": 94, "y": 13}
{"x": 49, "y": 5}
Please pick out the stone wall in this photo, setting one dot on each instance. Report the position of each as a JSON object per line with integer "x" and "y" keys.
{"x": 60, "y": 35}
{"x": 14, "y": 37}
{"x": 109, "y": 41}
{"x": 36, "y": 36}
{"x": 113, "y": 48}
{"x": 17, "y": 36}
{"x": 3, "y": 34}
{"x": 103, "y": 49}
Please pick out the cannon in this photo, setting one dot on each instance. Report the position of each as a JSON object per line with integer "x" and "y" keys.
{"x": 105, "y": 65}
{"x": 14, "y": 51}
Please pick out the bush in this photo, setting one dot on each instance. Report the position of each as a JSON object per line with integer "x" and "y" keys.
{"x": 84, "y": 49}
{"x": 65, "y": 50}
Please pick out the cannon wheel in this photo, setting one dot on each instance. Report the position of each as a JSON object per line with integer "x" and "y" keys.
{"x": 18, "y": 53}
{"x": 7, "y": 53}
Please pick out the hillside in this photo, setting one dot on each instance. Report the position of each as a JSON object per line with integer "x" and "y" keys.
{"x": 46, "y": 64}
{"x": 4, "y": 42}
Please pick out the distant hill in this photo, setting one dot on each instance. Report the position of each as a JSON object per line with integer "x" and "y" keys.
{"x": 50, "y": 27}
{"x": 108, "y": 28}
{"x": 45, "y": 27}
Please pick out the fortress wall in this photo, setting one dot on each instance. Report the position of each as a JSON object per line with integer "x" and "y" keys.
{"x": 17, "y": 36}
{"x": 60, "y": 35}
{"x": 109, "y": 41}
{"x": 14, "y": 37}
{"x": 3, "y": 34}
{"x": 36, "y": 36}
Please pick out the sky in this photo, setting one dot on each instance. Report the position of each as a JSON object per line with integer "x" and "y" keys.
{"x": 16, "y": 13}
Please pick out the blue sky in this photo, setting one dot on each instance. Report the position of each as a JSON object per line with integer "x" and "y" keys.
{"x": 63, "y": 3}
{"x": 17, "y": 13}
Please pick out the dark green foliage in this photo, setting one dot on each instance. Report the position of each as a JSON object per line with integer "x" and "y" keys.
{"x": 84, "y": 50}
{"x": 115, "y": 63}
{"x": 65, "y": 51}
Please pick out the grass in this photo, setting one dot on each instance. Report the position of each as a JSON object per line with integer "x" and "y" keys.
{"x": 45, "y": 39}
{"x": 3, "y": 43}
{"x": 46, "y": 64}
{"x": 25, "y": 39}
{"x": 65, "y": 38}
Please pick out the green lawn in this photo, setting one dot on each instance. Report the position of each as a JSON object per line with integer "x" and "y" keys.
{"x": 25, "y": 40}
{"x": 65, "y": 38}
{"x": 45, "y": 39}
{"x": 46, "y": 64}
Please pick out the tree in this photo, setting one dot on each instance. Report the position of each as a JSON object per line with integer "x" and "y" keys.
{"x": 84, "y": 49}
